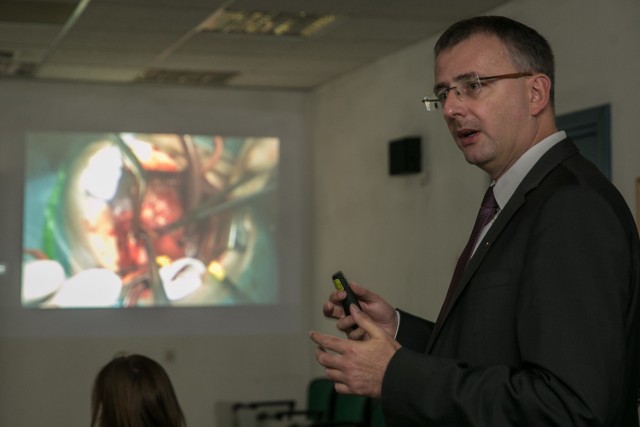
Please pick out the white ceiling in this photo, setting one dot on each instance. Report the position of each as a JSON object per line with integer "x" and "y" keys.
{"x": 117, "y": 41}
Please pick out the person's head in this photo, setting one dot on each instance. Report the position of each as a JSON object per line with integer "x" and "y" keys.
{"x": 501, "y": 76}
{"x": 134, "y": 391}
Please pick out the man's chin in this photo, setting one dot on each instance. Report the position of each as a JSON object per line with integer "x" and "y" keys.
{"x": 477, "y": 160}
{"x": 472, "y": 157}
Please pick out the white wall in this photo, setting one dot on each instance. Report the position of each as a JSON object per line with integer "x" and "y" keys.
{"x": 400, "y": 236}
{"x": 46, "y": 379}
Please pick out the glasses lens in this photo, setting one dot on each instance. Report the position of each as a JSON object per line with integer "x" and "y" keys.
{"x": 471, "y": 88}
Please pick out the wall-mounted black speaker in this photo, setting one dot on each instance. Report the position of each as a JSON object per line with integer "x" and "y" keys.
{"x": 405, "y": 156}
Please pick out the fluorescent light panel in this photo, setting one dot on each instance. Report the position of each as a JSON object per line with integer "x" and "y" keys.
{"x": 271, "y": 23}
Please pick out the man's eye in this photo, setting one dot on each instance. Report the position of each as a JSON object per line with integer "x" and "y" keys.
{"x": 442, "y": 94}
{"x": 473, "y": 86}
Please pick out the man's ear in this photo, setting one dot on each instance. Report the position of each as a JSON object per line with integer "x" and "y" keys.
{"x": 540, "y": 94}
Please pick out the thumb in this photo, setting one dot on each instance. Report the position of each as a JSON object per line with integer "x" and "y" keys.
{"x": 364, "y": 321}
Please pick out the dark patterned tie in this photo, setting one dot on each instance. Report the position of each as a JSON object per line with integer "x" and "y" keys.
{"x": 488, "y": 210}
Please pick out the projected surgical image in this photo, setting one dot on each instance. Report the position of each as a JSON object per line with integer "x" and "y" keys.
{"x": 146, "y": 220}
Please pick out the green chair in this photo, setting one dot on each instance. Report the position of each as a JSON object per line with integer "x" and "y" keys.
{"x": 377, "y": 417}
{"x": 348, "y": 411}
{"x": 324, "y": 408}
{"x": 319, "y": 405}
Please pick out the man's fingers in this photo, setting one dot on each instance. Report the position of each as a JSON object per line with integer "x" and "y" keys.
{"x": 364, "y": 321}
{"x": 327, "y": 342}
{"x": 331, "y": 310}
{"x": 358, "y": 290}
{"x": 328, "y": 309}
{"x": 357, "y": 334}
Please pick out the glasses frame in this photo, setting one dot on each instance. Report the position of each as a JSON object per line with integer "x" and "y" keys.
{"x": 434, "y": 100}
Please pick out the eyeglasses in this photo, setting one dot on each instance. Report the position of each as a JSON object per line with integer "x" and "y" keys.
{"x": 468, "y": 88}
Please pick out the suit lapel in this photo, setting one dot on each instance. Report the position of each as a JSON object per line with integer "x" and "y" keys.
{"x": 551, "y": 159}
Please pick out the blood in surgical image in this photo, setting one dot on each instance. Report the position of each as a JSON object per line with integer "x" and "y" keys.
{"x": 144, "y": 220}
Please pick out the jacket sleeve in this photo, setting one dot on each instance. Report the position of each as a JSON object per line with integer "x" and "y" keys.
{"x": 414, "y": 332}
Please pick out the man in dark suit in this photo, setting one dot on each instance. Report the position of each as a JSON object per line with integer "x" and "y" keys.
{"x": 541, "y": 326}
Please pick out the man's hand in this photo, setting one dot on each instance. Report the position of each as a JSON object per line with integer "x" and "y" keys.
{"x": 356, "y": 367}
{"x": 378, "y": 310}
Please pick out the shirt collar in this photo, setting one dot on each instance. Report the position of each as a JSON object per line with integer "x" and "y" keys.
{"x": 504, "y": 187}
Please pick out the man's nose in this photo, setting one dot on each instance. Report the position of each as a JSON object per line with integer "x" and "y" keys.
{"x": 453, "y": 105}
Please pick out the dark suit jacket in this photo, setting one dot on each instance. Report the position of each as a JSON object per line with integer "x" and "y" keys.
{"x": 543, "y": 328}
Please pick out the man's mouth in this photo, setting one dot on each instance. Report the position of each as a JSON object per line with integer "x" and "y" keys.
{"x": 466, "y": 133}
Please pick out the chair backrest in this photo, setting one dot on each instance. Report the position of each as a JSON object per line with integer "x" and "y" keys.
{"x": 377, "y": 417}
{"x": 320, "y": 399}
{"x": 350, "y": 408}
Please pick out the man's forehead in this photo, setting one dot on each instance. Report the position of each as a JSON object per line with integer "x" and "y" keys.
{"x": 478, "y": 54}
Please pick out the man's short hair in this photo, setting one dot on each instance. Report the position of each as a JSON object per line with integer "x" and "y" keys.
{"x": 530, "y": 52}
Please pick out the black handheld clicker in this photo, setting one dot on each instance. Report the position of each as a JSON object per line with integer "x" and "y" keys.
{"x": 342, "y": 284}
